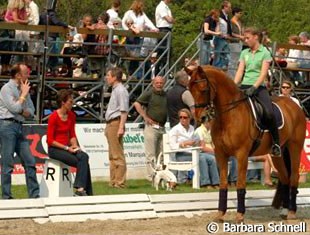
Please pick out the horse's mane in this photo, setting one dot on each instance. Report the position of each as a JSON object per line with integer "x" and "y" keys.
{"x": 219, "y": 78}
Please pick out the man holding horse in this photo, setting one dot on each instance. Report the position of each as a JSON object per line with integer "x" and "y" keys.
{"x": 253, "y": 68}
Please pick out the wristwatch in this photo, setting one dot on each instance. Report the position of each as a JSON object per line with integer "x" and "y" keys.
{"x": 66, "y": 148}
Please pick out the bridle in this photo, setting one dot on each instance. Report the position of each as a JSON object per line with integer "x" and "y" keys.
{"x": 210, "y": 105}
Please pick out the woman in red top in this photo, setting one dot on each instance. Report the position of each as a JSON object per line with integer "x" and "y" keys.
{"x": 63, "y": 145}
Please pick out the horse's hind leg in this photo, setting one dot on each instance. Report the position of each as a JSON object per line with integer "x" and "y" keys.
{"x": 222, "y": 162}
{"x": 294, "y": 154}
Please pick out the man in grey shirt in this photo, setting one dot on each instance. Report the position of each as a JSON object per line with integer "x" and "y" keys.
{"x": 116, "y": 116}
{"x": 15, "y": 106}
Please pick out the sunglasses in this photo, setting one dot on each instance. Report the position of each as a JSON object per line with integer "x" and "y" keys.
{"x": 183, "y": 117}
{"x": 286, "y": 87}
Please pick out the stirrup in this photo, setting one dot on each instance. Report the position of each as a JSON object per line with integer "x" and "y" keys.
{"x": 276, "y": 150}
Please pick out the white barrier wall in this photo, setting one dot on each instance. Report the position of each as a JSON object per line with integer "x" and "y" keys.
{"x": 93, "y": 141}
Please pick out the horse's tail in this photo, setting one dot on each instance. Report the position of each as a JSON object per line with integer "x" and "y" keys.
{"x": 281, "y": 197}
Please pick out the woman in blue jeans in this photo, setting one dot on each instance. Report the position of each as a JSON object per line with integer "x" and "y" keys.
{"x": 209, "y": 175}
{"x": 182, "y": 136}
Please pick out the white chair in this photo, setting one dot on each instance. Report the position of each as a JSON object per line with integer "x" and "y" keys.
{"x": 171, "y": 164}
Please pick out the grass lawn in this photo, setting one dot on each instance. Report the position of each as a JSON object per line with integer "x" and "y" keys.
{"x": 143, "y": 186}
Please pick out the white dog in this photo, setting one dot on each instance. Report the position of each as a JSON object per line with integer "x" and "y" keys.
{"x": 164, "y": 177}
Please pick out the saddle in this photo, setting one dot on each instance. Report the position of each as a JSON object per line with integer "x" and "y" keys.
{"x": 259, "y": 115}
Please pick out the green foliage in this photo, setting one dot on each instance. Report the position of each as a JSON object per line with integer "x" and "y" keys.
{"x": 281, "y": 18}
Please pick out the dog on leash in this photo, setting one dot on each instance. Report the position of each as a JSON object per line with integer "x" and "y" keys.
{"x": 164, "y": 177}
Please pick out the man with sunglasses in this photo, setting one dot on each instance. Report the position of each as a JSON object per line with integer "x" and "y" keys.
{"x": 286, "y": 90}
{"x": 15, "y": 106}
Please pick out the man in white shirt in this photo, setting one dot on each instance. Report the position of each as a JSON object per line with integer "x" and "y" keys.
{"x": 164, "y": 22}
{"x": 33, "y": 14}
{"x": 163, "y": 16}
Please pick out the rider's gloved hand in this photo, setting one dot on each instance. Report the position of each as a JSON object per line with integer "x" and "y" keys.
{"x": 250, "y": 91}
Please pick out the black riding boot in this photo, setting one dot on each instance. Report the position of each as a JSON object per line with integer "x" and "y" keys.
{"x": 275, "y": 148}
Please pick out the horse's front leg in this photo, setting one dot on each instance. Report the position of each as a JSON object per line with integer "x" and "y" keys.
{"x": 241, "y": 185}
{"x": 222, "y": 162}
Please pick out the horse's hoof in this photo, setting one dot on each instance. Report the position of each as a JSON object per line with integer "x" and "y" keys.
{"x": 239, "y": 218}
{"x": 291, "y": 215}
{"x": 219, "y": 218}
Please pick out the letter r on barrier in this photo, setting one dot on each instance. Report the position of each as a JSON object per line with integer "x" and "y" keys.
{"x": 51, "y": 172}
{"x": 65, "y": 173}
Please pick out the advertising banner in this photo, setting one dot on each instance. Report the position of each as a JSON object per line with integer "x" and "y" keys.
{"x": 92, "y": 140}
{"x": 305, "y": 155}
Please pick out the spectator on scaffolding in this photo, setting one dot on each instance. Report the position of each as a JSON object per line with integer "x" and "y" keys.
{"x": 68, "y": 48}
{"x": 91, "y": 66}
{"x": 5, "y": 45}
{"x": 293, "y": 54}
{"x": 137, "y": 21}
{"x": 117, "y": 25}
{"x": 209, "y": 28}
{"x": 139, "y": 18}
{"x": 221, "y": 43}
{"x": 236, "y": 44}
{"x": 87, "y": 22}
{"x": 102, "y": 21}
{"x": 130, "y": 43}
{"x": 49, "y": 17}
{"x": 16, "y": 13}
{"x": 293, "y": 59}
{"x": 305, "y": 55}
{"x": 113, "y": 12}
{"x": 33, "y": 14}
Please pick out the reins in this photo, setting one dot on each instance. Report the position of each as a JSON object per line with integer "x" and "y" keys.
{"x": 210, "y": 104}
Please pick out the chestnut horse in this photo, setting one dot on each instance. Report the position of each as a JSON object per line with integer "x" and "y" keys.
{"x": 234, "y": 132}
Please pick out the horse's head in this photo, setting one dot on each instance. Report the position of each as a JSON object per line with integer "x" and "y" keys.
{"x": 201, "y": 89}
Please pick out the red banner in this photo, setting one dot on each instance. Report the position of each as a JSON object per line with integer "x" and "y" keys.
{"x": 305, "y": 154}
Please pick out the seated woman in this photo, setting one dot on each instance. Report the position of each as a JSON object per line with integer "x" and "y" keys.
{"x": 63, "y": 145}
{"x": 269, "y": 169}
{"x": 209, "y": 175}
{"x": 182, "y": 136}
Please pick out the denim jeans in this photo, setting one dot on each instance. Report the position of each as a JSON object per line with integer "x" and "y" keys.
{"x": 207, "y": 166}
{"x": 235, "y": 51}
{"x": 12, "y": 140}
{"x": 182, "y": 176}
{"x": 232, "y": 176}
{"x": 52, "y": 60}
{"x": 221, "y": 53}
{"x": 78, "y": 160}
{"x": 209, "y": 174}
{"x": 205, "y": 51}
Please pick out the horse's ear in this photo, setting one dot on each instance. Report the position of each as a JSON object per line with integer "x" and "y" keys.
{"x": 200, "y": 69}
{"x": 188, "y": 71}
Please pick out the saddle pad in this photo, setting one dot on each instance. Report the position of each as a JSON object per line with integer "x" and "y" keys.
{"x": 277, "y": 112}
